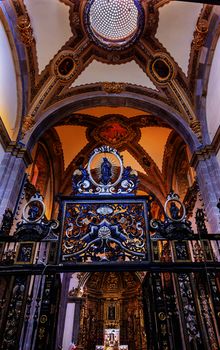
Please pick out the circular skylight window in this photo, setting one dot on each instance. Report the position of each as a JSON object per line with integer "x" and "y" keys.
{"x": 114, "y": 23}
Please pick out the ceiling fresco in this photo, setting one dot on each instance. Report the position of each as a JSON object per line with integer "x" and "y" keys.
{"x": 151, "y": 139}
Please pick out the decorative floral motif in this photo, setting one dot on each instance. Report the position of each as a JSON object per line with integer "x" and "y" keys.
{"x": 189, "y": 309}
{"x": 207, "y": 315}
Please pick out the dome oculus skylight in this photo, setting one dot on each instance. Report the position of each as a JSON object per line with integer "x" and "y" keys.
{"x": 114, "y": 23}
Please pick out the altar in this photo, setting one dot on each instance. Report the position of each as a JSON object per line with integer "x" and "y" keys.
{"x": 112, "y": 340}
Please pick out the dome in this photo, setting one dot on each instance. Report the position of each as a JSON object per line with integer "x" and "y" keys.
{"x": 114, "y": 23}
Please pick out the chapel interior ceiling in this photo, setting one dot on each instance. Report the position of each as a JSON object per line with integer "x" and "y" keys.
{"x": 117, "y": 129}
{"x": 70, "y": 51}
{"x": 146, "y": 143}
{"x": 52, "y": 32}
{"x": 66, "y": 56}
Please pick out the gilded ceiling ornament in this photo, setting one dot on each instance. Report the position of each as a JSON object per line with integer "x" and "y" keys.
{"x": 28, "y": 123}
{"x": 161, "y": 69}
{"x": 25, "y": 30}
{"x": 66, "y": 66}
{"x": 200, "y": 33}
{"x": 113, "y": 88}
{"x": 75, "y": 19}
{"x": 196, "y": 128}
{"x": 112, "y": 57}
{"x": 114, "y": 132}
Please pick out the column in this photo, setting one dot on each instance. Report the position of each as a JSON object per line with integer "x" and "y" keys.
{"x": 12, "y": 171}
{"x": 208, "y": 174}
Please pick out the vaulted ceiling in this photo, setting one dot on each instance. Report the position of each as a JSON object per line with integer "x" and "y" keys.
{"x": 60, "y": 54}
{"x": 56, "y": 34}
{"x": 74, "y": 73}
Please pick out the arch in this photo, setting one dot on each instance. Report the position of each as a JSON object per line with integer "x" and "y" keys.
{"x": 205, "y": 63}
{"x": 18, "y": 52}
{"x": 58, "y": 111}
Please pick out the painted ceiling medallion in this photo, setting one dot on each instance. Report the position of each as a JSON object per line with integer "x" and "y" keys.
{"x": 161, "y": 69}
{"x": 114, "y": 133}
{"x": 114, "y": 24}
{"x": 66, "y": 66}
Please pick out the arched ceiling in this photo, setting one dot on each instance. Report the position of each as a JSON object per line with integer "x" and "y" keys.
{"x": 128, "y": 72}
{"x": 213, "y": 94}
{"x": 178, "y": 35}
{"x": 139, "y": 137}
{"x": 102, "y": 282}
{"x": 153, "y": 140}
{"x": 8, "y": 91}
{"x": 52, "y": 29}
{"x": 63, "y": 60}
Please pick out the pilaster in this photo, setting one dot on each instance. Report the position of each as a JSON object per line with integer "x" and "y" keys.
{"x": 208, "y": 173}
{"x": 12, "y": 171}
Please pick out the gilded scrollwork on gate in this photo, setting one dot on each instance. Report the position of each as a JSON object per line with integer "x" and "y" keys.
{"x": 96, "y": 231}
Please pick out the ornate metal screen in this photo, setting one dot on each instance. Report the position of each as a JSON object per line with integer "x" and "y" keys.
{"x": 104, "y": 229}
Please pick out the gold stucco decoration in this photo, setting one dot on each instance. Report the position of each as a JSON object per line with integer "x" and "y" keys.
{"x": 161, "y": 69}
{"x": 113, "y": 88}
{"x": 28, "y": 123}
{"x": 200, "y": 33}
{"x": 196, "y": 128}
{"x": 66, "y": 66}
{"x": 25, "y": 30}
